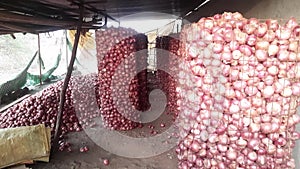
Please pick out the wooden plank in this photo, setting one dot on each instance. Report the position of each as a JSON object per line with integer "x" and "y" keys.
{"x": 14, "y": 102}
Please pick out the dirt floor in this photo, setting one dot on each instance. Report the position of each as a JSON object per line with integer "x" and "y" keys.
{"x": 93, "y": 159}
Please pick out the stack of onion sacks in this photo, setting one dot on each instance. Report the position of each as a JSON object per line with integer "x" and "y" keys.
{"x": 118, "y": 61}
{"x": 247, "y": 77}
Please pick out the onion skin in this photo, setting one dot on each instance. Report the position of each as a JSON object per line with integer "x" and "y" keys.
{"x": 258, "y": 95}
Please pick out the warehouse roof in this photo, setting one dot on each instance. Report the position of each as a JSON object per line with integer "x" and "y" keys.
{"x": 36, "y": 16}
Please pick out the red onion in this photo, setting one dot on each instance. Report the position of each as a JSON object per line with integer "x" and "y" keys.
{"x": 262, "y": 45}
{"x": 226, "y": 56}
{"x": 283, "y": 55}
{"x": 106, "y": 162}
{"x": 252, "y": 156}
{"x": 272, "y": 24}
{"x": 217, "y": 48}
{"x": 261, "y": 55}
{"x": 283, "y": 33}
{"x": 251, "y": 40}
{"x": 231, "y": 154}
{"x": 273, "y": 70}
{"x": 249, "y": 28}
{"x": 195, "y": 146}
{"x": 240, "y": 36}
{"x": 246, "y": 50}
{"x": 233, "y": 45}
{"x": 268, "y": 91}
{"x": 262, "y": 29}
{"x": 293, "y": 46}
{"x": 269, "y": 36}
{"x": 273, "y": 50}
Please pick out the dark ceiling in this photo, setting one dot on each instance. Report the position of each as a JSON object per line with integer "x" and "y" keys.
{"x": 35, "y": 16}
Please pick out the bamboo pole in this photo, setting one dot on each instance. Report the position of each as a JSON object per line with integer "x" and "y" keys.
{"x": 67, "y": 79}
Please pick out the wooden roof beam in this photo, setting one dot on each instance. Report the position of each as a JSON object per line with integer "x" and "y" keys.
{"x": 16, "y": 28}
{"x": 4, "y": 32}
{"x": 24, "y": 9}
{"x": 13, "y": 17}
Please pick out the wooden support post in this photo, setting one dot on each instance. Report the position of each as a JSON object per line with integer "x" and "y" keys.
{"x": 66, "y": 81}
{"x": 40, "y": 59}
{"x": 13, "y": 36}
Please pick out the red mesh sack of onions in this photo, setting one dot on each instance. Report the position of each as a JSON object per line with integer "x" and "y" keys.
{"x": 174, "y": 52}
{"x": 247, "y": 74}
{"x": 166, "y": 54}
{"x": 118, "y": 57}
{"x": 141, "y": 64}
{"x": 42, "y": 108}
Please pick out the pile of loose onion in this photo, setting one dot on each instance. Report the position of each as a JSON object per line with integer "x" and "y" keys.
{"x": 42, "y": 108}
{"x": 117, "y": 58}
{"x": 247, "y": 76}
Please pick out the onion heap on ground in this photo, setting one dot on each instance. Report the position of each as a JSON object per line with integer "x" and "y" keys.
{"x": 246, "y": 72}
{"x": 118, "y": 58}
{"x": 42, "y": 107}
